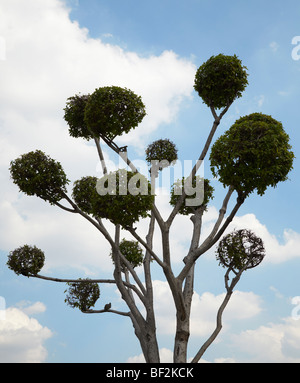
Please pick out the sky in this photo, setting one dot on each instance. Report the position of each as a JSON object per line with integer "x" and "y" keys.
{"x": 53, "y": 49}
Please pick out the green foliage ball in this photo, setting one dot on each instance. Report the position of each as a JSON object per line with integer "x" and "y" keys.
{"x": 253, "y": 154}
{"x": 220, "y": 80}
{"x": 84, "y": 193}
{"x": 74, "y": 116}
{"x": 239, "y": 249}
{"x": 26, "y": 260}
{"x": 162, "y": 150}
{"x": 177, "y": 191}
{"x": 123, "y": 197}
{"x": 132, "y": 251}
{"x": 82, "y": 294}
{"x": 112, "y": 111}
{"x": 37, "y": 174}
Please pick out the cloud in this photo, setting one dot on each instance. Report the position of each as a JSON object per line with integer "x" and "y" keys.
{"x": 274, "y": 343}
{"x": 22, "y": 337}
{"x": 55, "y": 58}
{"x": 32, "y": 309}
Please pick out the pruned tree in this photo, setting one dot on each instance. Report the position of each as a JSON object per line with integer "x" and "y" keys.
{"x": 249, "y": 157}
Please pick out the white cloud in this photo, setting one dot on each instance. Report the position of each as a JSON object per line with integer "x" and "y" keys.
{"x": 32, "y": 309}
{"x": 274, "y": 343}
{"x": 22, "y": 338}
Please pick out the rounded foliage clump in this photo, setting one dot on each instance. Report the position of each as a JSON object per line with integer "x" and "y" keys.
{"x": 26, "y": 260}
{"x": 112, "y": 111}
{"x": 82, "y": 294}
{"x": 84, "y": 193}
{"x": 132, "y": 251}
{"x": 220, "y": 80}
{"x": 37, "y": 174}
{"x": 162, "y": 151}
{"x": 240, "y": 249}
{"x": 123, "y": 197}
{"x": 198, "y": 194}
{"x": 253, "y": 154}
{"x": 74, "y": 116}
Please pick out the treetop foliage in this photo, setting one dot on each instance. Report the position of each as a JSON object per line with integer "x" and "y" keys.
{"x": 205, "y": 197}
{"x": 37, "y": 174}
{"x": 220, "y": 80}
{"x": 74, "y": 116}
{"x": 82, "y": 294}
{"x": 108, "y": 112}
{"x": 132, "y": 251}
{"x": 162, "y": 150}
{"x": 122, "y": 196}
{"x": 253, "y": 154}
{"x": 26, "y": 260}
{"x": 240, "y": 249}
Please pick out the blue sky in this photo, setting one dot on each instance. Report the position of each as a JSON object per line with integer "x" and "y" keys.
{"x": 54, "y": 49}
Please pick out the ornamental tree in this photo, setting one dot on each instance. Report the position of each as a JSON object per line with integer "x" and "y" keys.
{"x": 251, "y": 156}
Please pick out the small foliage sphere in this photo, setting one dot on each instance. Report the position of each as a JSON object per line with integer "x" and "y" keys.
{"x": 26, "y": 260}
{"x": 82, "y": 294}
{"x": 220, "y": 80}
{"x": 37, "y": 174}
{"x": 74, "y": 116}
{"x": 111, "y": 111}
{"x": 162, "y": 150}
{"x": 205, "y": 194}
{"x": 240, "y": 249}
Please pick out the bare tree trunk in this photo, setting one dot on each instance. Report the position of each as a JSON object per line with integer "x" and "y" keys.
{"x": 148, "y": 341}
{"x": 183, "y": 324}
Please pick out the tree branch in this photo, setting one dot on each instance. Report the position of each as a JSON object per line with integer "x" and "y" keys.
{"x": 61, "y": 280}
{"x": 126, "y": 314}
{"x": 194, "y": 171}
{"x": 124, "y": 155}
{"x": 146, "y": 246}
{"x": 209, "y": 242}
{"x": 217, "y": 120}
{"x": 100, "y": 153}
{"x": 220, "y": 312}
{"x": 65, "y": 208}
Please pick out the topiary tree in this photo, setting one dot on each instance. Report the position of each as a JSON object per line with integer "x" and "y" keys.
{"x": 251, "y": 156}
